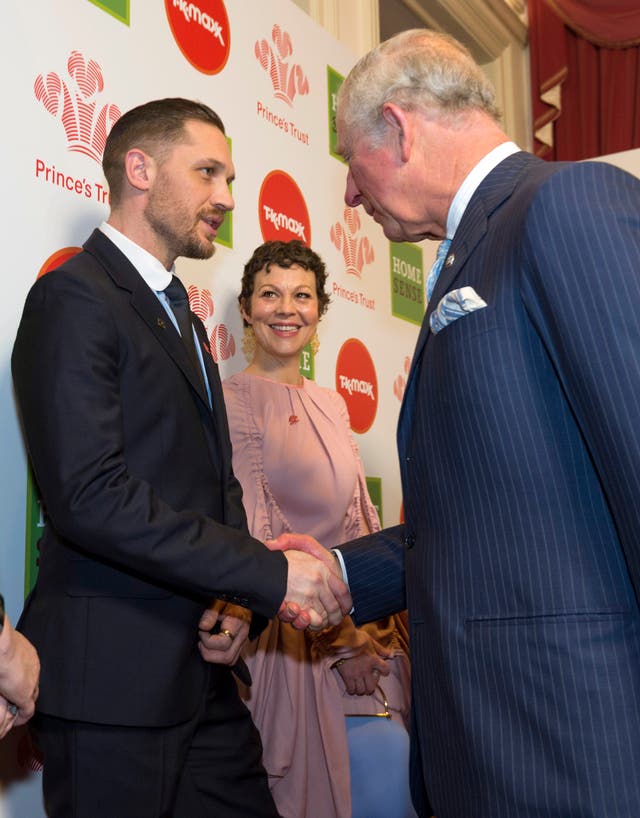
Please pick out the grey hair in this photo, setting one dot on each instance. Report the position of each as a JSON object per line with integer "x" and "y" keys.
{"x": 417, "y": 69}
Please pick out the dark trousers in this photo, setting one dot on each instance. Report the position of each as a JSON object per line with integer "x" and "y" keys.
{"x": 208, "y": 767}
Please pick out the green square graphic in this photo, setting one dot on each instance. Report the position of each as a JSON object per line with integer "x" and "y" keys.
{"x": 33, "y": 531}
{"x": 407, "y": 281}
{"x": 307, "y": 363}
{"x": 116, "y": 8}
{"x": 225, "y": 233}
{"x": 374, "y": 487}
{"x": 334, "y": 81}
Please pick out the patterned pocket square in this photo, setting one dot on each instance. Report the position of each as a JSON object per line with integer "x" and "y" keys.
{"x": 453, "y": 306}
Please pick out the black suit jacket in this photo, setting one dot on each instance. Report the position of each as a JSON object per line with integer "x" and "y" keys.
{"x": 128, "y": 456}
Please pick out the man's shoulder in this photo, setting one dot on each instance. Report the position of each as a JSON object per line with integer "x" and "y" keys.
{"x": 568, "y": 189}
{"x": 87, "y": 269}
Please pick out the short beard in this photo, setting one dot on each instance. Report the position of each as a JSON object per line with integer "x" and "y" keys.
{"x": 185, "y": 246}
{"x": 191, "y": 248}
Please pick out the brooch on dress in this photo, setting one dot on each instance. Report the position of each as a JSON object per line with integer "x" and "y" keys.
{"x": 293, "y": 419}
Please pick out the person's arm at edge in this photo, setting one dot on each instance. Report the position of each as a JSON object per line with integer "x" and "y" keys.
{"x": 19, "y": 672}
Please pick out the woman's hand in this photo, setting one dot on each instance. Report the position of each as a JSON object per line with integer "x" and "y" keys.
{"x": 361, "y": 673}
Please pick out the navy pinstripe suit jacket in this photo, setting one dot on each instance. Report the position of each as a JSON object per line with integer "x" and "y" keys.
{"x": 519, "y": 445}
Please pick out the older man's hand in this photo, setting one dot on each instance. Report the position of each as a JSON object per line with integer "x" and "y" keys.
{"x": 316, "y": 593}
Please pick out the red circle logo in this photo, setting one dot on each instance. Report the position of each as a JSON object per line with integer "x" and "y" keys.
{"x": 357, "y": 382}
{"x": 202, "y": 32}
{"x": 57, "y": 259}
{"x": 282, "y": 210}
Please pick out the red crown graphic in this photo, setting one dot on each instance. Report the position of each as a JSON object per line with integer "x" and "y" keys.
{"x": 401, "y": 381}
{"x": 356, "y": 251}
{"x": 287, "y": 80}
{"x": 222, "y": 343}
{"x": 85, "y": 123}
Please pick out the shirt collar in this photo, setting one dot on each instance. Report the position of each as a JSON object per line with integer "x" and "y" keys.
{"x": 150, "y": 268}
{"x": 472, "y": 182}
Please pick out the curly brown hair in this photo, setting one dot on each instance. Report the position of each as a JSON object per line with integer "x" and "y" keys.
{"x": 283, "y": 254}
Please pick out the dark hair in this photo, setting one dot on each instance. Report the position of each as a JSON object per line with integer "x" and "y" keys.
{"x": 155, "y": 127}
{"x": 283, "y": 254}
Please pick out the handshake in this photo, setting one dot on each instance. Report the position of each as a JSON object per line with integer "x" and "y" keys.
{"x": 317, "y": 595}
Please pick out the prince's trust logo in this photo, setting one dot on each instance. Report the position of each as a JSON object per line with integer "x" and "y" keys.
{"x": 400, "y": 383}
{"x": 356, "y": 251}
{"x": 222, "y": 343}
{"x": 287, "y": 79}
{"x": 74, "y": 101}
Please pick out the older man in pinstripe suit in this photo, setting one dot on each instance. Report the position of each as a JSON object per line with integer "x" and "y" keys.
{"x": 519, "y": 446}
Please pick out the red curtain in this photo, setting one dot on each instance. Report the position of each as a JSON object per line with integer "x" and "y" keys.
{"x": 585, "y": 77}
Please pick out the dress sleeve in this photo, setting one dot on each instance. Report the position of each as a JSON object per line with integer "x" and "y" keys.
{"x": 363, "y": 517}
{"x": 345, "y": 640}
{"x": 246, "y": 432}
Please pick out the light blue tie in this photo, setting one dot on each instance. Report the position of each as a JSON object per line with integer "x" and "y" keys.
{"x": 434, "y": 272}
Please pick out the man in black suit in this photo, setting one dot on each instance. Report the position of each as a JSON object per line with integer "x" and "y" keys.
{"x": 145, "y": 547}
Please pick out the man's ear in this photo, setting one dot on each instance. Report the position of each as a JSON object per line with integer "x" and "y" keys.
{"x": 401, "y": 127}
{"x": 140, "y": 169}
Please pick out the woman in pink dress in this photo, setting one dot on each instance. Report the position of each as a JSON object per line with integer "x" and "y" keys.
{"x": 314, "y": 695}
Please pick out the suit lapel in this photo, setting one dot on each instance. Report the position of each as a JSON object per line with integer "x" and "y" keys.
{"x": 145, "y": 302}
{"x": 221, "y": 428}
{"x": 492, "y": 192}
{"x": 494, "y": 189}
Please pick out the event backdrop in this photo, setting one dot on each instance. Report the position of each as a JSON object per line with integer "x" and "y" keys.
{"x": 70, "y": 68}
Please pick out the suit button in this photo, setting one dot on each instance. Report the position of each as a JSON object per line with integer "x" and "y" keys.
{"x": 410, "y": 541}
{"x": 409, "y": 458}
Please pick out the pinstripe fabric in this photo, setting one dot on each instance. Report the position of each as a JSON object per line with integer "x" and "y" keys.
{"x": 519, "y": 445}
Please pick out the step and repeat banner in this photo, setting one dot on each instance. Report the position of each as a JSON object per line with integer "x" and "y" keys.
{"x": 70, "y": 68}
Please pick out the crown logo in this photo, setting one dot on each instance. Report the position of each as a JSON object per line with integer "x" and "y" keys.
{"x": 85, "y": 123}
{"x": 287, "y": 80}
{"x": 400, "y": 382}
{"x": 221, "y": 341}
{"x": 357, "y": 252}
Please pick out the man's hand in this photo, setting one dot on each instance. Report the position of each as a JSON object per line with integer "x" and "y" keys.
{"x": 8, "y": 715}
{"x": 224, "y": 647}
{"x": 290, "y": 611}
{"x": 19, "y": 676}
{"x": 316, "y": 590}
{"x": 303, "y": 542}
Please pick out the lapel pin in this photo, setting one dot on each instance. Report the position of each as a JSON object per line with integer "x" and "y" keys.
{"x": 450, "y": 259}
{"x": 161, "y": 323}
